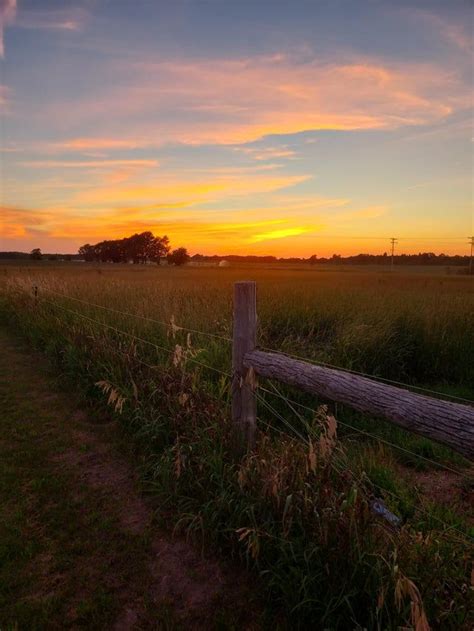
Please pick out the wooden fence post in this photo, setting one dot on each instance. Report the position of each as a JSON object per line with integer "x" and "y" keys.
{"x": 244, "y": 403}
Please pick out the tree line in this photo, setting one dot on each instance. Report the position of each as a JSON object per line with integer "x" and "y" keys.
{"x": 422, "y": 258}
{"x": 145, "y": 247}
{"x": 140, "y": 248}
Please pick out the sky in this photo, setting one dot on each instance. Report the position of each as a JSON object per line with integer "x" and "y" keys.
{"x": 237, "y": 127}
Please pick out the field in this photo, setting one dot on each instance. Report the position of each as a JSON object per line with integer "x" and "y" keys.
{"x": 151, "y": 346}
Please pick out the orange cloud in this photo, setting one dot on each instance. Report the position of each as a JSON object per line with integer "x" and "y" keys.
{"x": 279, "y": 234}
{"x": 267, "y": 153}
{"x": 239, "y": 101}
{"x": 54, "y": 229}
{"x": 99, "y": 143}
{"x": 187, "y": 227}
{"x": 19, "y": 222}
{"x": 179, "y": 190}
{"x": 87, "y": 164}
{"x": 370, "y": 212}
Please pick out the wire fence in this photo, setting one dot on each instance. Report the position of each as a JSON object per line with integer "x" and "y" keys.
{"x": 171, "y": 325}
{"x": 167, "y": 324}
{"x": 302, "y": 430}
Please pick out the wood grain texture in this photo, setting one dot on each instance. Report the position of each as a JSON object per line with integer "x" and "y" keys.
{"x": 244, "y": 405}
{"x": 448, "y": 423}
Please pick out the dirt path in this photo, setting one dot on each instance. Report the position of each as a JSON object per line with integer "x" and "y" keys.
{"x": 78, "y": 546}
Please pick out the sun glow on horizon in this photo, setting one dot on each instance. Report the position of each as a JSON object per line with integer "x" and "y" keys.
{"x": 328, "y": 144}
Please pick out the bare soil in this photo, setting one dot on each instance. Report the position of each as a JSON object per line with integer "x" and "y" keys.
{"x": 151, "y": 578}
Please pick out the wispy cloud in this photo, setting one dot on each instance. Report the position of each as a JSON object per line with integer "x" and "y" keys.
{"x": 24, "y": 223}
{"x": 178, "y": 189}
{"x": 87, "y": 164}
{"x": 279, "y": 234}
{"x": 63, "y": 19}
{"x": 267, "y": 153}
{"x": 268, "y": 96}
{"x": 19, "y": 222}
{"x": 7, "y": 15}
{"x": 458, "y": 34}
{"x": 4, "y": 91}
{"x": 67, "y": 19}
{"x": 86, "y": 144}
{"x": 370, "y": 212}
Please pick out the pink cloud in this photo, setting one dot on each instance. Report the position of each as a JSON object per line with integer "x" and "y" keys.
{"x": 7, "y": 15}
{"x": 87, "y": 164}
{"x": 3, "y": 101}
{"x": 99, "y": 143}
{"x": 63, "y": 19}
{"x": 455, "y": 33}
{"x": 239, "y": 101}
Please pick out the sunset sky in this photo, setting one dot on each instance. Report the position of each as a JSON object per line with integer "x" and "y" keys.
{"x": 245, "y": 126}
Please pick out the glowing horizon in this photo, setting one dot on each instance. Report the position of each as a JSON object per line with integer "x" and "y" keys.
{"x": 232, "y": 134}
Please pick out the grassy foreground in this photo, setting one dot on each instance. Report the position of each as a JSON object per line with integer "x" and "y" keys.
{"x": 63, "y": 553}
{"x": 297, "y": 510}
{"x": 79, "y": 546}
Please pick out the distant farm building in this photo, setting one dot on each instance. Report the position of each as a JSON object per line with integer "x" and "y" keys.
{"x": 224, "y": 263}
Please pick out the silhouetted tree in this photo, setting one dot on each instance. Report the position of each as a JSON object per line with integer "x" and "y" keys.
{"x": 179, "y": 256}
{"x": 87, "y": 252}
{"x": 36, "y": 255}
{"x": 139, "y": 248}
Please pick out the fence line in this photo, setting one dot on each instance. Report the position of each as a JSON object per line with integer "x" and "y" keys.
{"x": 137, "y": 338}
{"x": 268, "y": 406}
{"x": 249, "y": 423}
{"x": 171, "y": 324}
{"x": 368, "y": 434}
{"x": 287, "y": 400}
{"x": 394, "y": 382}
{"x": 449, "y": 423}
{"x": 359, "y": 480}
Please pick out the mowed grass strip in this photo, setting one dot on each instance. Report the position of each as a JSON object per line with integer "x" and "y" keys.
{"x": 65, "y": 558}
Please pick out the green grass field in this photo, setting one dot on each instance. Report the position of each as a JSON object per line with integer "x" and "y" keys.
{"x": 297, "y": 510}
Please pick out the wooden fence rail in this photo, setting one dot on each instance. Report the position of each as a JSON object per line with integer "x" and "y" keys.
{"x": 451, "y": 424}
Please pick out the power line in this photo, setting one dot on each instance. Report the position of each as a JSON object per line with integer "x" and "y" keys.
{"x": 385, "y": 237}
{"x": 393, "y": 241}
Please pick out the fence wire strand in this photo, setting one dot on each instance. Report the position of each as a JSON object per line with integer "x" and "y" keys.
{"x": 227, "y": 339}
{"x": 168, "y": 324}
{"x": 366, "y": 433}
{"x": 137, "y": 338}
{"x": 268, "y": 406}
{"x": 466, "y": 538}
{"x": 275, "y": 393}
{"x": 368, "y": 375}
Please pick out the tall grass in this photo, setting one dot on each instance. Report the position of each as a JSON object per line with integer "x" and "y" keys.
{"x": 296, "y": 510}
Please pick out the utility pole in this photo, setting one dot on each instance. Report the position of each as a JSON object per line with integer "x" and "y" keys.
{"x": 471, "y": 241}
{"x": 393, "y": 241}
